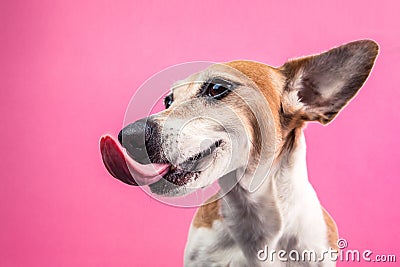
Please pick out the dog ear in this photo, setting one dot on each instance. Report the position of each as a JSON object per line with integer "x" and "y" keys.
{"x": 321, "y": 85}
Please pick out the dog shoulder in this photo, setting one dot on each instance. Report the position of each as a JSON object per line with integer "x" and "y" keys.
{"x": 207, "y": 214}
{"x": 332, "y": 231}
{"x": 206, "y": 233}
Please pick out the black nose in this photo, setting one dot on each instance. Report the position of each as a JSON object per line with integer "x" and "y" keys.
{"x": 134, "y": 138}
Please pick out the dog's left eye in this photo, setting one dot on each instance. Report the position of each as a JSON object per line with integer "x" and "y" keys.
{"x": 217, "y": 88}
{"x": 168, "y": 100}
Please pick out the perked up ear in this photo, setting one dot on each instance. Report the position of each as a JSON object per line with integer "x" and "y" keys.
{"x": 321, "y": 85}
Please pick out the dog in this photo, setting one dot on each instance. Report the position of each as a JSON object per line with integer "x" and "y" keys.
{"x": 240, "y": 124}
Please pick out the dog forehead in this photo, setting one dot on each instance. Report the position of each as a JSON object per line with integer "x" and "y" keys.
{"x": 189, "y": 86}
{"x": 268, "y": 80}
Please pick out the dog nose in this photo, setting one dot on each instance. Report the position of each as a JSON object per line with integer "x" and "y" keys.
{"x": 133, "y": 138}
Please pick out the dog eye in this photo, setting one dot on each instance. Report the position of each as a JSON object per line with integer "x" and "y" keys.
{"x": 217, "y": 89}
{"x": 168, "y": 100}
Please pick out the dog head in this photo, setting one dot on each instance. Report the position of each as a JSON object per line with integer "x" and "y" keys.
{"x": 235, "y": 117}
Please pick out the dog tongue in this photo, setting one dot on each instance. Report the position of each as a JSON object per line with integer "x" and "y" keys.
{"x": 124, "y": 168}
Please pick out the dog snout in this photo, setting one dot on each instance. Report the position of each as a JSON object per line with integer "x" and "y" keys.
{"x": 135, "y": 137}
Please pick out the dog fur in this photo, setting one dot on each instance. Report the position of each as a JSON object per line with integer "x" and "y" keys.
{"x": 259, "y": 154}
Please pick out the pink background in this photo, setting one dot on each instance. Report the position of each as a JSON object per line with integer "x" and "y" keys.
{"x": 69, "y": 69}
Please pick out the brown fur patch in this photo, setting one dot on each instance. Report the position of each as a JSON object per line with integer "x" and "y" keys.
{"x": 332, "y": 230}
{"x": 261, "y": 75}
{"x": 207, "y": 214}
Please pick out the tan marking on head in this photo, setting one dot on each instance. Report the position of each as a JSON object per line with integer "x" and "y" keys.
{"x": 207, "y": 214}
{"x": 332, "y": 230}
{"x": 268, "y": 79}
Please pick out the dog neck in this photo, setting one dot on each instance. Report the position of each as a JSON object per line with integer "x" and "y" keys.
{"x": 278, "y": 206}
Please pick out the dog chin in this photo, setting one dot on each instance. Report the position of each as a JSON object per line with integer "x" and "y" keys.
{"x": 168, "y": 189}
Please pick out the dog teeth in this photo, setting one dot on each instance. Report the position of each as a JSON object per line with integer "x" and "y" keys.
{"x": 172, "y": 168}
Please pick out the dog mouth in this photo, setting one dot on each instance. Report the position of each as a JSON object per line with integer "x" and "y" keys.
{"x": 121, "y": 166}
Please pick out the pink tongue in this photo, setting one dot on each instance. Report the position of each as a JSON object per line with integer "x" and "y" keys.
{"x": 114, "y": 154}
{"x": 146, "y": 174}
